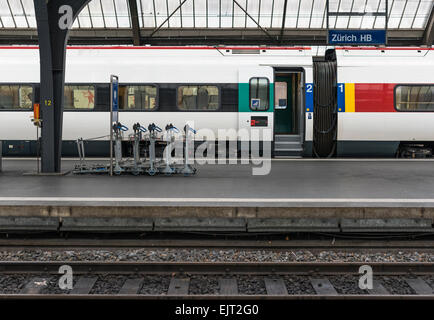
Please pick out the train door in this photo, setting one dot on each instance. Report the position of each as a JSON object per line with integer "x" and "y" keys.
{"x": 255, "y": 102}
{"x": 288, "y": 113}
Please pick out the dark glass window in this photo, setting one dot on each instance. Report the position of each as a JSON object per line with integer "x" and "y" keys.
{"x": 414, "y": 98}
{"x": 79, "y": 97}
{"x": 259, "y": 94}
{"x": 16, "y": 97}
{"x": 136, "y": 97}
{"x": 198, "y": 98}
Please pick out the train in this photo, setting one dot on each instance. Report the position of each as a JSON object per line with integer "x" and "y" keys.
{"x": 315, "y": 101}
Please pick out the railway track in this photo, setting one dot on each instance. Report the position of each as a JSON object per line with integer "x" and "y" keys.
{"x": 216, "y": 243}
{"x": 138, "y": 280}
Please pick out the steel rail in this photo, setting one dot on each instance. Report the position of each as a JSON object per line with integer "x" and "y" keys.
{"x": 251, "y": 268}
{"x": 272, "y": 245}
{"x": 249, "y": 297}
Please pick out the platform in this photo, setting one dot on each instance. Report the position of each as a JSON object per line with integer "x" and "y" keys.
{"x": 294, "y": 188}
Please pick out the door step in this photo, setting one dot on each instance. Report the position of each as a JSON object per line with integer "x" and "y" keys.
{"x": 287, "y": 138}
{"x": 287, "y": 157}
{"x": 287, "y": 146}
{"x": 288, "y": 153}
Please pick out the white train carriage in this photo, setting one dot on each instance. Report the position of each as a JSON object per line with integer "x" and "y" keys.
{"x": 355, "y": 102}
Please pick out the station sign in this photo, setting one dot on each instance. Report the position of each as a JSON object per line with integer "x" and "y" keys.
{"x": 357, "y": 37}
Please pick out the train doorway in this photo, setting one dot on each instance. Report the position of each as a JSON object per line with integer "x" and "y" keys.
{"x": 288, "y": 113}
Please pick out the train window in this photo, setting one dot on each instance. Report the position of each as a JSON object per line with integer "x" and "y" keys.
{"x": 137, "y": 97}
{"x": 259, "y": 94}
{"x": 414, "y": 98}
{"x": 280, "y": 95}
{"x": 198, "y": 98}
{"x": 16, "y": 97}
{"x": 79, "y": 97}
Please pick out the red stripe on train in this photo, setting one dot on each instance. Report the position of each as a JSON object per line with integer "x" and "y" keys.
{"x": 374, "y": 97}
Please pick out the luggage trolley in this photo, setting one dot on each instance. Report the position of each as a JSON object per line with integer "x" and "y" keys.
{"x": 137, "y": 137}
{"x": 170, "y": 138}
{"x": 153, "y": 132}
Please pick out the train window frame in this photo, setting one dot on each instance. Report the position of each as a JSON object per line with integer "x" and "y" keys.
{"x": 217, "y": 85}
{"x": 409, "y": 85}
{"x": 268, "y": 95}
{"x": 94, "y": 109}
{"x": 157, "y": 97}
{"x": 29, "y": 84}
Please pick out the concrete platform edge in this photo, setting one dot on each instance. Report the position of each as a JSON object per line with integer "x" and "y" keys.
{"x": 237, "y": 219}
{"x": 215, "y": 212}
{"x": 242, "y": 225}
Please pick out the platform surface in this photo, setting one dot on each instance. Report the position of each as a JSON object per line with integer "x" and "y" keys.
{"x": 293, "y": 183}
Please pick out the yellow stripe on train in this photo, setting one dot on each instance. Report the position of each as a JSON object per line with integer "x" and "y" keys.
{"x": 350, "y": 97}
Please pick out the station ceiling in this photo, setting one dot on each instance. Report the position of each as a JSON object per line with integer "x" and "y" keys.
{"x": 220, "y": 22}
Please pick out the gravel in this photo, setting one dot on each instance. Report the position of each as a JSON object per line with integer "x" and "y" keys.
{"x": 204, "y": 285}
{"x": 12, "y": 284}
{"x": 251, "y": 285}
{"x": 396, "y": 285}
{"x": 108, "y": 284}
{"x": 155, "y": 285}
{"x": 346, "y": 284}
{"x": 298, "y": 285}
{"x": 215, "y": 255}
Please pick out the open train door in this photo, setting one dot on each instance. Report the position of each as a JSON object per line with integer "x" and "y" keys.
{"x": 255, "y": 101}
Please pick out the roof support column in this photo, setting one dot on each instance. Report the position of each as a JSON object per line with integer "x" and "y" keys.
{"x": 134, "y": 21}
{"x": 53, "y": 18}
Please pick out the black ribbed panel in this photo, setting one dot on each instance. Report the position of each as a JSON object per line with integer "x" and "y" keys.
{"x": 229, "y": 101}
{"x": 325, "y": 109}
{"x": 167, "y": 101}
{"x": 102, "y": 102}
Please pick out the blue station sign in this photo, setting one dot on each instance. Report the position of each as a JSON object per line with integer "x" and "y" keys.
{"x": 115, "y": 99}
{"x": 357, "y": 37}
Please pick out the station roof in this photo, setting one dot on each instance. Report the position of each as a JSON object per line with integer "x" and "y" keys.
{"x": 178, "y": 22}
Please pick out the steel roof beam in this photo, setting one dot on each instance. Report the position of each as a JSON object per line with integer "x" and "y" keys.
{"x": 134, "y": 15}
{"x": 283, "y": 20}
{"x": 168, "y": 18}
{"x": 116, "y": 13}
{"x": 428, "y": 37}
{"x": 25, "y": 14}
{"x": 102, "y": 14}
{"x": 203, "y": 36}
{"x": 253, "y": 19}
{"x": 12, "y": 15}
